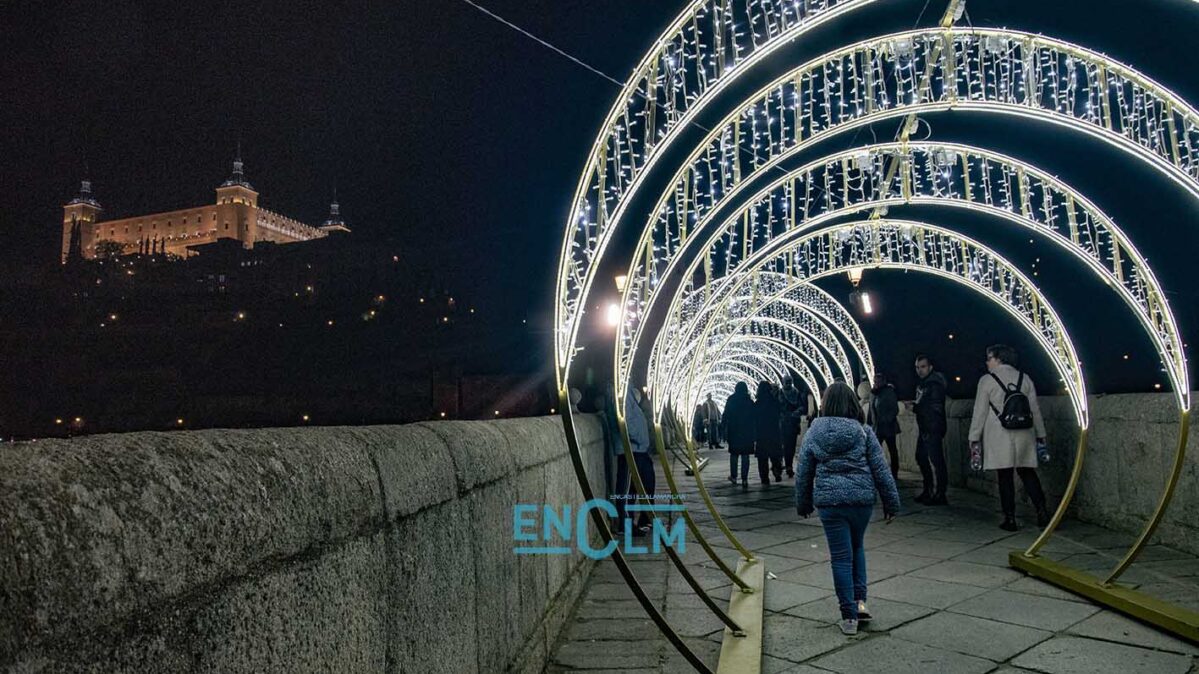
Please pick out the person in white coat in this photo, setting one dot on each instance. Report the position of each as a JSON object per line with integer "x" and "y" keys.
{"x": 1007, "y": 450}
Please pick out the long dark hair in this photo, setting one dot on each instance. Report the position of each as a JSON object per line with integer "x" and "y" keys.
{"x": 840, "y": 401}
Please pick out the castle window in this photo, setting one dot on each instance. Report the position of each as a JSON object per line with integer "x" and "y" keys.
{"x": 226, "y": 225}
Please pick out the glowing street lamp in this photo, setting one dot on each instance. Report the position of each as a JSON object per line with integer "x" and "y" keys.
{"x": 612, "y": 316}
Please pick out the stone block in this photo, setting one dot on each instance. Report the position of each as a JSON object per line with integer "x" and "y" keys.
{"x": 1076, "y": 655}
{"x": 100, "y": 528}
{"x": 479, "y": 450}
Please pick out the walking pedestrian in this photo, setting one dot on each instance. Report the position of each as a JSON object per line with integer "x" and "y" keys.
{"x": 884, "y": 417}
{"x": 768, "y": 440}
{"x": 841, "y": 468}
{"x": 626, "y": 490}
{"x": 929, "y": 407}
{"x": 794, "y": 405}
{"x": 1007, "y": 429}
{"x": 738, "y": 431}
{"x": 712, "y": 422}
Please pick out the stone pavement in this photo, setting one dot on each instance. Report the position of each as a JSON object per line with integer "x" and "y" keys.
{"x": 943, "y": 596}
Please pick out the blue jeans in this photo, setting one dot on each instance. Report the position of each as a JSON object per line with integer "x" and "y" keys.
{"x": 744, "y": 458}
{"x": 844, "y": 527}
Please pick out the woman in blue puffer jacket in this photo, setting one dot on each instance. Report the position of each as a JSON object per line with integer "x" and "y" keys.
{"x": 841, "y": 466}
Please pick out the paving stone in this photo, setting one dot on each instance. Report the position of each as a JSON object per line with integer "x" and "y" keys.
{"x": 779, "y": 666}
{"x": 796, "y": 639}
{"x": 1077, "y": 655}
{"x": 811, "y": 549}
{"x": 921, "y": 546}
{"x": 968, "y": 534}
{"x": 1025, "y": 609}
{"x": 924, "y": 592}
{"x": 781, "y": 595}
{"x": 673, "y": 662}
{"x": 887, "y": 614}
{"x": 613, "y": 629}
{"x": 693, "y": 622}
{"x": 978, "y": 575}
{"x": 591, "y": 609}
{"x": 752, "y": 540}
{"x": 1111, "y": 626}
{"x": 972, "y": 636}
{"x": 610, "y": 654}
{"x": 889, "y": 655}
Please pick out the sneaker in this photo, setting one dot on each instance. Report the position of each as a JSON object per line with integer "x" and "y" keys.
{"x": 1009, "y": 524}
{"x": 744, "y": 484}
{"x": 790, "y": 473}
{"x": 864, "y": 613}
{"x": 733, "y": 479}
{"x": 849, "y": 626}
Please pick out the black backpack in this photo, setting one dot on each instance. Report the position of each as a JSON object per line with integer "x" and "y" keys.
{"x": 1016, "y": 413}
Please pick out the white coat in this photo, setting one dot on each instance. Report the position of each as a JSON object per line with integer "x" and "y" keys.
{"x": 1004, "y": 448}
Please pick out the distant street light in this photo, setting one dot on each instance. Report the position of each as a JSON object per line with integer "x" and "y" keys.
{"x": 621, "y": 282}
{"x": 613, "y": 315}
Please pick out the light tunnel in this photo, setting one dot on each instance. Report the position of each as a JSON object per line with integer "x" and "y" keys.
{"x": 727, "y": 257}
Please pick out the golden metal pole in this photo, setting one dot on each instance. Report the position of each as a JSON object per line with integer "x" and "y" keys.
{"x": 703, "y": 492}
{"x": 703, "y": 541}
{"x": 1079, "y": 455}
{"x": 1184, "y": 427}
{"x": 601, "y": 524}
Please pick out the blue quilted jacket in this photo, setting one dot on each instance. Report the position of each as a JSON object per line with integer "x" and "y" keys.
{"x": 841, "y": 463}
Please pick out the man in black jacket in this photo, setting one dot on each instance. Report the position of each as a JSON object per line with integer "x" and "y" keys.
{"x": 929, "y": 407}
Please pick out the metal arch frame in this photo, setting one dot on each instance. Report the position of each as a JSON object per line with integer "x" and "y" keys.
{"x": 828, "y": 341}
{"x": 1076, "y": 392}
{"x": 815, "y": 329}
{"x": 736, "y": 340}
{"x": 1177, "y": 372}
{"x": 566, "y": 354}
{"x": 647, "y": 72}
{"x": 874, "y": 194}
{"x": 1098, "y": 125}
{"x": 738, "y": 350}
{"x": 806, "y": 339}
{"x": 809, "y": 299}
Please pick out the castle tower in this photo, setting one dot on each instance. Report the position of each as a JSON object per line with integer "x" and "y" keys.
{"x": 80, "y": 213}
{"x": 334, "y": 223}
{"x": 237, "y": 207}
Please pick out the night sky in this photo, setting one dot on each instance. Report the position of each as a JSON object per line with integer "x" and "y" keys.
{"x": 456, "y": 139}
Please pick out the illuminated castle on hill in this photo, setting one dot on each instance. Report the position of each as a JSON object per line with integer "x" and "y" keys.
{"x": 235, "y": 215}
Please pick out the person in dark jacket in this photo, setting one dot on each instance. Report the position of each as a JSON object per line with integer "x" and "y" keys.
{"x": 841, "y": 468}
{"x": 737, "y": 427}
{"x": 639, "y": 441}
{"x": 768, "y": 440}
{"x": 929, "y": 407}
{"x": 794, "y": 408}
{"x": 884, "y": 418}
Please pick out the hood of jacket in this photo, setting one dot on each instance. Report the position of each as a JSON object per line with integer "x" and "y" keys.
{"x": 836, "y": 437}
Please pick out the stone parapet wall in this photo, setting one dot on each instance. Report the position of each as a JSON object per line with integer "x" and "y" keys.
{"x": 1130, "y": 452}
{"x": 384, "y": 548}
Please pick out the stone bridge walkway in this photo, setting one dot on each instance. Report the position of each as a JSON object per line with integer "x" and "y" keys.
{"x": 943, "y": 597}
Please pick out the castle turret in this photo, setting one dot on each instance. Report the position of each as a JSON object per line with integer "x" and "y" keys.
{"x": 334, "y": 223}
{"x": 80, "y": 213}
{"x": 237, "y": 207}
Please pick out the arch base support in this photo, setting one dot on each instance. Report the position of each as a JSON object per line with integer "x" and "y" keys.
{"x": 1163, "y": 615}
{"x": 742, "y": 653}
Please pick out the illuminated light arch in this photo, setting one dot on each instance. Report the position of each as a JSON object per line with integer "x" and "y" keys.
{"x": 798, "y": 301}
{"x": 784, "y": 355}
{"x": 804, "y": 332}
{"x": 702, "y": 51}
{"x": 867, "y": 84}
{"x": 986, "y": 69}
{"x": 917, "y": 246}
{"x": 941, "y": 174}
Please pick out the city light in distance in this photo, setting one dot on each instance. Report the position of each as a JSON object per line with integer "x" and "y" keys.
{"x": 179, "y": 422}
{"x": 443, "y": 415}
{"x": 867, "y": 307}
{"x": 305, "y": 417}
{"x": 58, "y": 421}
